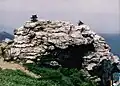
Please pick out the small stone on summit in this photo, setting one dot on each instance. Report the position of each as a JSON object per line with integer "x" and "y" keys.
{"x": 34, "y": 18}
{"x": 80, "y": 23}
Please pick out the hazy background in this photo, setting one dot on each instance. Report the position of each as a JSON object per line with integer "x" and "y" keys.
{"x": 101, "y": 15}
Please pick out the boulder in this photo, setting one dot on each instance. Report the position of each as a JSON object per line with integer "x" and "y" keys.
{"x": 69, "y": 45}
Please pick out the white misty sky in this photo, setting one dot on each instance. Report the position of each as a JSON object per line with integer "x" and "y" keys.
{"x": 101, "y": 15}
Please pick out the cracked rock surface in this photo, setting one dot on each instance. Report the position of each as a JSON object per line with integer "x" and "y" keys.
{"x": 70, "y": 45}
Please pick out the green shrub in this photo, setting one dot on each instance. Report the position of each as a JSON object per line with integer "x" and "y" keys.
{"x": 62, "y": 76}
{"x": 49, "y": 77}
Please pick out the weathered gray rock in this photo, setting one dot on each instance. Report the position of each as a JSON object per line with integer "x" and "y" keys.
{"x": 5, "y": 49}
{"x": 71, "y": 46}
{"x": 40, "y": 37}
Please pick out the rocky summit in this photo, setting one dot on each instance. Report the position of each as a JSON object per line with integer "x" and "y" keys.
{"x": 70, "y": 45}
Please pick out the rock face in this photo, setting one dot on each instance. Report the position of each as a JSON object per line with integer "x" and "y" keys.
{"x": 70, "y": 45}
{"x": 61, "y": 39}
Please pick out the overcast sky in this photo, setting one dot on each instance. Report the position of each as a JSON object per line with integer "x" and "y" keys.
{"x": 101, "y": 15}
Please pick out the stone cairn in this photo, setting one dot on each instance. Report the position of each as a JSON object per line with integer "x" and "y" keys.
{"x": 60, "y": 38}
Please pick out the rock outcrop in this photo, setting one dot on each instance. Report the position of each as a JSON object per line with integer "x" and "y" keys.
{"x": 61, "y": 39}
{"x": 5, "y": 47}
{"x": 70, "y": 45}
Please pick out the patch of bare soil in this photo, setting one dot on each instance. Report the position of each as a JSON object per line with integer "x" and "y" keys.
{"x": 15, "y": 66}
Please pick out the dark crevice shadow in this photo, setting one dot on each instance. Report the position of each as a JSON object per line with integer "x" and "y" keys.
{"x": 72, "y": 57}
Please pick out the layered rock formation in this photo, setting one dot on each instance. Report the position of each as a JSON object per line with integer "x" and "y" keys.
{"x": 71, "y": 46}
{"x": 60, "y": 39}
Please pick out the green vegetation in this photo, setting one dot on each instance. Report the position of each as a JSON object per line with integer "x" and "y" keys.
{"x": 50, "y": 77}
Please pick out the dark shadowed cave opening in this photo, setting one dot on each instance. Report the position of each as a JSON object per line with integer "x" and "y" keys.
{"x": 71, "y": 57}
